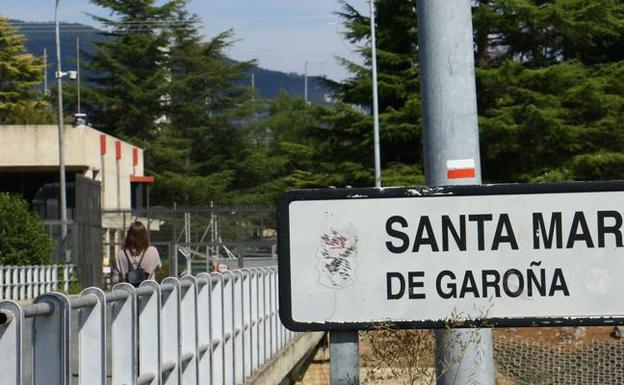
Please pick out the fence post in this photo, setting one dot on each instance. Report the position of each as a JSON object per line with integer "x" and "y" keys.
{"x": 92, "y": 340}
{"x": 238, "y": 327}
{"x": 272, "y": 312}
{"x": 188, "y": 329}
{"x": 170, "y": 326}
{"x": 22, "y": 282}
{"x": 254, "y": 320}
{"x": 48, "y": 279}
{"x": 204, "y": 338}
{"x": 247, "y": 322}
{"x": 51, "y": 342}
{"x": 2, "y": 269}
{"x": 148, "y": 308}
{"x": 124, "y": 337}
{"x": 217, "y": 330}
{"x": 13, "y": 282}
{"x": 11, "y": 342}
{"x": 55, "y": 279}
{"x": 29, "y": 281}
{"x": 228, "y": 328}
{"x": 263, "y": 337}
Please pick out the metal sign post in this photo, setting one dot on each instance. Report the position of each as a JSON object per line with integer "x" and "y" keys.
{"x": 344, "y": 356}
{"x": 451, "y": 148}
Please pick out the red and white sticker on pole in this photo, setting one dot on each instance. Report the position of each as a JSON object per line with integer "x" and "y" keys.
{"x": 461, "y": 169}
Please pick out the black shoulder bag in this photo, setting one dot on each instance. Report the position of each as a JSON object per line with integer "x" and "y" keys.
{"x": 137, "y": 274}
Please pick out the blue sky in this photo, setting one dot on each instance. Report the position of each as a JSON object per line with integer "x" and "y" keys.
{"x": 280, "y": 34}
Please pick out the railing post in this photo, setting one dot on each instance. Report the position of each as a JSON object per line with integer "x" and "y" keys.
{"x": 170, "y": 326}
{"x": 279, "y": 329}
{"x": 55, "y": 279}
{"x": 204, "y": 338}
{"x": 2, "y": 282}
{"x": 238, "y": 326}
{"x": 40, "y": 281}
{"x": 11, "y": 343}
{"x": 14, "y": 283}
{"x": 254, "y": 320}
{"x": 124, "y": 337}
{"x": 92, "y": 340}
{"x": 22, "y": 282}
{"x": 273, "y": 312}
{"x": 67, "y": 272}
{"x": 263, "y": 330}
{"x": 48, "y": 279}
{"x": 246, "y": 321}
{"x": 188, "y": 323}
{"x": 51, "y": 342}
{"x": 148, "y": 308}
{"x": 228, "y": 328}
{"x": 29, "y": 281}
{"x": 216, "y": 333}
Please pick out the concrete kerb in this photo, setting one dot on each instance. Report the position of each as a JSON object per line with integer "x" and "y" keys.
{"x": 274, "y": 371}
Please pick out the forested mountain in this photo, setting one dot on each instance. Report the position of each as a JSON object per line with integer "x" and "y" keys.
{"x": 40, "y": 36}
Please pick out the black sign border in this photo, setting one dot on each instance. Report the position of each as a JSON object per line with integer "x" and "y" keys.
{"x": 283, "y": 246}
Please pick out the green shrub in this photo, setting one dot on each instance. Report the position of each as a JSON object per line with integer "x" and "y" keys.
{"x": 23, "y": 239}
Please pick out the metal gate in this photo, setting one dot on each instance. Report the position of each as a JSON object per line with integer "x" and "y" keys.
{"x": 88, "y": 232}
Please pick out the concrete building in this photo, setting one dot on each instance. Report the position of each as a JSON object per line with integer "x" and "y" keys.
{"x": 29, "y": 161}
{"x": 28, "y": 152}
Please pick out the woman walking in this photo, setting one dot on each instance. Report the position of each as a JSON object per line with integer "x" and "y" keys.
{"x": 137, "y": 260}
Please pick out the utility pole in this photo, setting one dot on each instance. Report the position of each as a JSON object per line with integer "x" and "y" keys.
{"x": 375, "y": 96}
{"x": 61, "y": 134}
{"x": 451, "y": 136}
{"x": 45, "y": 72}
{"x": 78, "y": 72}
{"x": 305, "y": 82}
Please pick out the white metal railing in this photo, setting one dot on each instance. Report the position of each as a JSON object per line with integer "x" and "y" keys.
{"x": 215, "y": 328}
{"x": 27, "y": 282}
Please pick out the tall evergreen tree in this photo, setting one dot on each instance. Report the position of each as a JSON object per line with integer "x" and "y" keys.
{"x": 548, "y": 83}
{"x": 198, "y": 154}
{"x": 20, "y": 74}
{"x": 130, "y": 68}
{"x": 399, "y": 94}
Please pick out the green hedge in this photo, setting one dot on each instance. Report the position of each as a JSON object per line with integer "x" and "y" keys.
{"x": 23, "y": 239}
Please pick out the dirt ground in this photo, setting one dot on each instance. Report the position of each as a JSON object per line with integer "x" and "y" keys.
{"x": 318, "y": 371}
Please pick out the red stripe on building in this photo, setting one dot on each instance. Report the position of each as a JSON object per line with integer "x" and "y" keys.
{"x": 102, "y": 144}
{"x": 117, "y": 150}
{"x": 461, "y": 173}
{"x": 141, "y": 179}
{"x": 135, "y": 156}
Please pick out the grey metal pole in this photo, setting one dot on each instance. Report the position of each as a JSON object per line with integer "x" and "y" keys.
{"x": 451, "y": 135}
{"x": 344, "y": 358}
{"x": 78, "y": 71}
{"x": 375, "y": 96}
{"x": 45, "y": 72}
{"x": 305, "y": 82}
{"x": 61, "y": 134}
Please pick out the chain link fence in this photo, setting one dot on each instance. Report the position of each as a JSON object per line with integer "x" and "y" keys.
{"x": 199, "y": 239}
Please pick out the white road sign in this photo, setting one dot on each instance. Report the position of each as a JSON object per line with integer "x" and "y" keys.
{"x": 509, "y": 255}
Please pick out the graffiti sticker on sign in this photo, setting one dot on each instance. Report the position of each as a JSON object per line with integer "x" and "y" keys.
{"x": 507, "y": 255}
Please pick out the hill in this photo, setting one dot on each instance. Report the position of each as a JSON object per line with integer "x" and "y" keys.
{"x": 40, "y": 37}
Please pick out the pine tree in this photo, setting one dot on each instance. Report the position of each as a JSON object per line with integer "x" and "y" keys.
{"x": 549, "y": 94}
{"x": 130, "y": 68}
{"x": 399, "y": 92}
{"x": 198, "y": 154}
{"x": 20, "y": 74}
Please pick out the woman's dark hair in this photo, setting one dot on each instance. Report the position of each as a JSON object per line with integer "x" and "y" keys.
{"x": 136, "y": 239}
